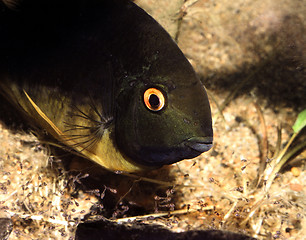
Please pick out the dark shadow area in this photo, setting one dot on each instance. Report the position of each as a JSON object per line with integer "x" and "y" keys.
{"x": 277, "y": 84}
{"x": 6, "y": 227}
{"x": 120, "y": 195}
{"x": 277, "y": 77}
{"x": 11, "y": 118}
{"x": 107, "y": 230}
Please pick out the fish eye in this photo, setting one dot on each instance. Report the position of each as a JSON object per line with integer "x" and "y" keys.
{"x": 154, "y": 99}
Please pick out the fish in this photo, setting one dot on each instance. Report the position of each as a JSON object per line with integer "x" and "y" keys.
{"x": 104, "y": 80}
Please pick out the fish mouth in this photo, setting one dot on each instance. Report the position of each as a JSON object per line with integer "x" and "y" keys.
{"x": 199, "y": 144}
{"x": 187, "y": 149}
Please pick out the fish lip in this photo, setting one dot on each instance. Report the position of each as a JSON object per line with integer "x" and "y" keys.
{"x": 199, "y": 144}
{"x": 187, "y": 149}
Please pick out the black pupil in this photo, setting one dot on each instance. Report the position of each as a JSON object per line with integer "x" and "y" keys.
{"x": 154, "y": 101}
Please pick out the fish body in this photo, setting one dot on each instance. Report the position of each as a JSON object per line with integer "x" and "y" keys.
{"x": 104, "y": 79}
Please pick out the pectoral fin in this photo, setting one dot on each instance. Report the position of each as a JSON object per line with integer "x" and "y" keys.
{"x": 104, "y": 153}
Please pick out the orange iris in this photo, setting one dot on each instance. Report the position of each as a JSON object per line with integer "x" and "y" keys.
{"x": 154, "y": 99}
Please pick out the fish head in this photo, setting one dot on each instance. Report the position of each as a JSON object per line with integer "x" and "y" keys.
{"x": 164, "y": 117}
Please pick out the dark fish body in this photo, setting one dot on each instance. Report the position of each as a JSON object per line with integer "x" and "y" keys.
{"x": 81, "y": 70}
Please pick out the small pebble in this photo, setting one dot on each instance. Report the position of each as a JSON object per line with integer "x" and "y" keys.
{"x": 296, "y": 187}
{"x": 295, "y": 171}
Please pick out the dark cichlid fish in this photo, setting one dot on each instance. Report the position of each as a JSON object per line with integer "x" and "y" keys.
{"x": 104, "y": 79}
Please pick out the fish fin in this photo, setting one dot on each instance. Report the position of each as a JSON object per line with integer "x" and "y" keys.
{"x": 47, "y": 124}
{"x": 105, "y": 145}
{"x": 44, "y": 120}
{"x": 108, "y": 93}
{"x": 104, "y": 93}
{"x": 88, "y": 130}
{"x": 99, "y": 113}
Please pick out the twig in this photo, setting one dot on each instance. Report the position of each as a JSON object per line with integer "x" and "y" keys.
{"x": 162, "y": 214}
